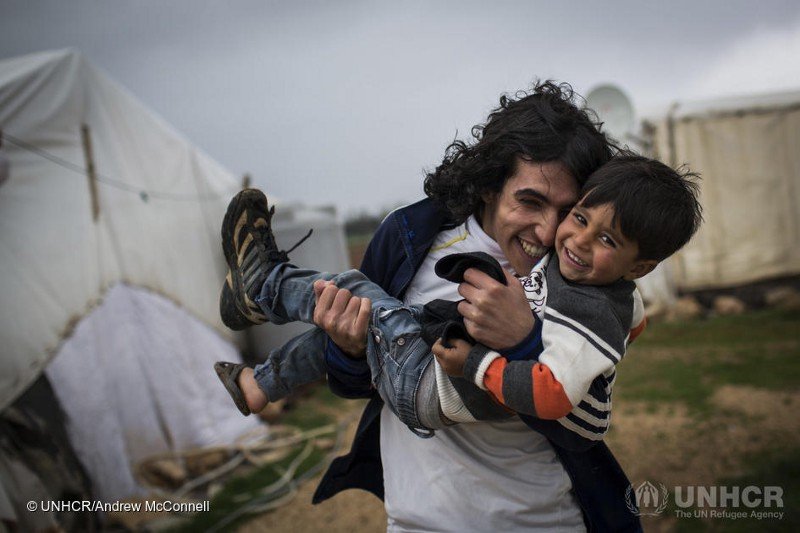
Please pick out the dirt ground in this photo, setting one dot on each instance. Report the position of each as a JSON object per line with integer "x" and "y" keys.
{"x": 351, "y": 510}
{"x": 666, "y": 446}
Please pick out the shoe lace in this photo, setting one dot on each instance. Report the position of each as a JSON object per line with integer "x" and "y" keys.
{"x": 283, "y": 255}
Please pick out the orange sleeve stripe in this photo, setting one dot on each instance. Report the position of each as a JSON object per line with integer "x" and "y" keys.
{"x": 493, "y": 378}
{"x": 549, "y": 398}
{"x": 637, "y": 330}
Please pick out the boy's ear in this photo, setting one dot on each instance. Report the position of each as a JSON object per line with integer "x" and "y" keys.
{"x": 641, "y": 268}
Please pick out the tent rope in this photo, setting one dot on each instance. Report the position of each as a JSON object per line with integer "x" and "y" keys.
{"x": 250, "y": 449}
{"x": 111, "y": 182}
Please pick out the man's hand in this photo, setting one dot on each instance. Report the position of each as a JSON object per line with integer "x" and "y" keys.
{"x": 496, "y": 315}
{"x": 452, "y": 359}
{"x": 344, "y": 317}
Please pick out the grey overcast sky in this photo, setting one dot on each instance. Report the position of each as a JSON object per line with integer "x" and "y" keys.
{"x": 347, "y": 102}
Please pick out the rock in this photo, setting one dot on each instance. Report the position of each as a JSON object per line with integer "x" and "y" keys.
{"x": 787, "y": 298}
{"x": 729, "y": 305}
{"x": 163, "y": 473}
{"x": 201, "y": 462}
{"x": 685, "y": 308}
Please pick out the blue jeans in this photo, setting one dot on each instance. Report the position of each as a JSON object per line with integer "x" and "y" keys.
{"x": 396, "y": 354}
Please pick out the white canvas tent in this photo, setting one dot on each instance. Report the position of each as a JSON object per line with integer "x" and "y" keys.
{"x": 111, "y": 285}
{"x": 746, "y": 151}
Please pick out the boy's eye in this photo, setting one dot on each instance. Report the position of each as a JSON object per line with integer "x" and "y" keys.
{"x": 580, "y": 218}
{"x": 608, "y": 241}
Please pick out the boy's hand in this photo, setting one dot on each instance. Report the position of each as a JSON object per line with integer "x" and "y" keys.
{"x": 452, "y": 359}
{"x": 344, "y": 317}
{"x": 494, "y": 314}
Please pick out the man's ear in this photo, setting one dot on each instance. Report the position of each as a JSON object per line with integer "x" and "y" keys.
{"x": 641, "y": 268}
{"x": 489, "y": 199}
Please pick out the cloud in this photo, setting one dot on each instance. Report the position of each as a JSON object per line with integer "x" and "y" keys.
{"x": 765, "y": 61}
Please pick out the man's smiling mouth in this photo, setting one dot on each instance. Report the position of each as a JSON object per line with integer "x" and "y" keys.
{"x": 532, "y": 250}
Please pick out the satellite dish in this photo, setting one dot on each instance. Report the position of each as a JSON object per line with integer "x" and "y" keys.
{"x": 614, "y": 109}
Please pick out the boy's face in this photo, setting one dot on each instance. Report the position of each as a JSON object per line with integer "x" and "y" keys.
{"x": 592, "y": 251}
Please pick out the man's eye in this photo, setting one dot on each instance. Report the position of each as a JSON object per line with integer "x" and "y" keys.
{"x": 530, "y": 202}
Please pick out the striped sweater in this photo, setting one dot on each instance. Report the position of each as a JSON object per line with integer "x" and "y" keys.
{"x": 585, "y": 331}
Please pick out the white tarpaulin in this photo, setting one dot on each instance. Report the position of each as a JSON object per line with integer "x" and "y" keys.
{"x": 160, "y": 201}
{"x": 116, "y": 279}
{"x": 136, "y": 379}
{"x": 746, "y": 150}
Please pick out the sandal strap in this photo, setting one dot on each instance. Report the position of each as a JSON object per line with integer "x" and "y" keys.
{"x": 228, "y": 373}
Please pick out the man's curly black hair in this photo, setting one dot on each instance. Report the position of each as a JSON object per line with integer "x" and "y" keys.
{"x": 543, "y": 125}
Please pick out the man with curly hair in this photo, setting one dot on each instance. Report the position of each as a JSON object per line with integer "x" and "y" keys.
{"x": 504, "y": 194}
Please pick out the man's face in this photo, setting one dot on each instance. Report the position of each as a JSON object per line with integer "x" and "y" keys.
{"x": 524, "y": 216}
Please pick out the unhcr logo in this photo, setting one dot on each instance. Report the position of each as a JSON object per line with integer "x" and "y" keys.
{"x": 647, "y": 499}
{"x": 726, "y": 502}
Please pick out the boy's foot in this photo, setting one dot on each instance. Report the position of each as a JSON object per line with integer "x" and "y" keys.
{"x": 238, "y": 380}
{"x": 251, "y": 254}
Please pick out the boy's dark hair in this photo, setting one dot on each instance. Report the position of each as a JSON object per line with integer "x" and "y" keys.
{"x": 655, "y": 206}
{"x": 543, "y": 125}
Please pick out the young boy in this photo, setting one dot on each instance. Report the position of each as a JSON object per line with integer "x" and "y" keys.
{"x": 634, "y": 212}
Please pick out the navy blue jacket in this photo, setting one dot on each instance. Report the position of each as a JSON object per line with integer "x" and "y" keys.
{"x": 391, "y": 260}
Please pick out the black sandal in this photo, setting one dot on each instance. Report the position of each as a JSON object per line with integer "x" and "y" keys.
{"x": 228, "y": 374}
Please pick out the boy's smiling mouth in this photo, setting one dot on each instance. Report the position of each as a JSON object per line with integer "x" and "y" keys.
{"x": 574, "y": 258}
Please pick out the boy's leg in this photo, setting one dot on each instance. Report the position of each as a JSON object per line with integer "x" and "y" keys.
{"x": 401, "y": 366}
{"x": 287, "y": 294}
{"x": 396, "y": 354}
{"x": 299, "y": 361}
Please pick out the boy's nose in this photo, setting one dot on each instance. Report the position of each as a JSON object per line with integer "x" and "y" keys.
{"x": 581, "y": 239}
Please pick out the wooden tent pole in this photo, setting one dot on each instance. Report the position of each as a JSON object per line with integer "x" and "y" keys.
{"x": 90, "y": 170}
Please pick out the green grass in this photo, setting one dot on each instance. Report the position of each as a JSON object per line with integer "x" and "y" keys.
{"x": 306, "y": 414}
{"x": 778, "y": 467}
{"x": 246, "y": 488}
{"x": 358, "y": 240}
{"x": 724, "y": 331}
{"x": 241, "y": 490}
{"x": 686, "y": 362}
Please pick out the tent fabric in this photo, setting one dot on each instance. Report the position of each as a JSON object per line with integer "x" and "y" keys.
{"x": 136, "y": 379}
{"x": 58, "y": 261}
{"x": 125, "y": 304}
{"x": 746, "y": 152}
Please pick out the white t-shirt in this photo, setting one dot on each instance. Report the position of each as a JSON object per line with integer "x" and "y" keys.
{"x": 481, "y": 476}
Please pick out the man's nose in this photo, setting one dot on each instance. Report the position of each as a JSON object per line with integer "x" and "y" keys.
{"x": 546, "y": 230}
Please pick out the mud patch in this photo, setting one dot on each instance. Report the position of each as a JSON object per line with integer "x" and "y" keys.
{"x": 666, "y": 443}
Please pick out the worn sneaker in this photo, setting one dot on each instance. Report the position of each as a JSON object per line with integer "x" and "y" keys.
{"x": 251, "y": 253}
